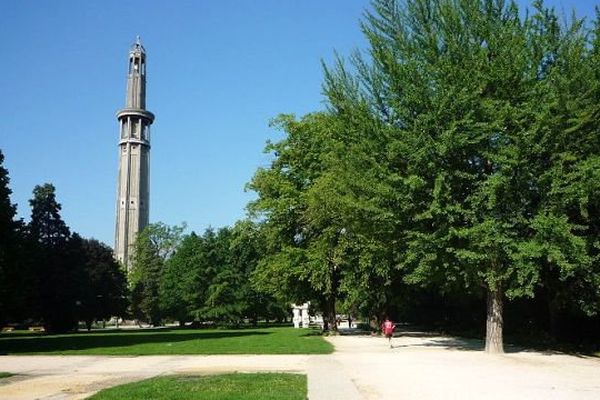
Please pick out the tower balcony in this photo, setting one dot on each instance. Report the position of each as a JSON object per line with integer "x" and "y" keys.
{"x": 141, "y": 142}
{"x": 135, "y": 112}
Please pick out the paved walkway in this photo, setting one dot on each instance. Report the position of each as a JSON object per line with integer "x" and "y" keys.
{"x": 419, "y": 366}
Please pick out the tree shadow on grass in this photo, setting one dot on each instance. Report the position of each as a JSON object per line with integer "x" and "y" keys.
{"x": 83, "y": 341}
{"x": 312, "y": 332}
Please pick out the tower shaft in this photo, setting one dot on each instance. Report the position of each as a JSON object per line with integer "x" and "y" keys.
{"x": 133, "y": 187}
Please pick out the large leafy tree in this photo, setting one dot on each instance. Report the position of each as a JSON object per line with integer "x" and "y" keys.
{"x": 208, "y": 278}
{"x": 326, "y": 199}
{"x": 152, "y": 248}
{"x": 105, "y": 284}
{"x": 182, "y": 280}
{"x": 246, "y": 248}
{"x": 301, "y": 263}
{"x": 57, "y": 262}
{"x": 221, "y": 282}
{"x": 566, "y": 150}
{"x": 450, "y": 157}
{"x": 461, "y": 90}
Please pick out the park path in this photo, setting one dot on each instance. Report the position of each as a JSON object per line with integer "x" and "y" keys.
{"x": 420, "y": 366}
{"x": 425, "y": 366}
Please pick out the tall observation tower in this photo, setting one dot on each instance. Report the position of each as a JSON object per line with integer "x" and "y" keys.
{"x": 133, "y": 190}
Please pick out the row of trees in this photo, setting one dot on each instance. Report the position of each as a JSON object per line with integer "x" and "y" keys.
{"x": 55, "y": 278}
{"x": 459, "y": 155}
{"x": 192, "y": 278}
{"x": 49, "y": 275}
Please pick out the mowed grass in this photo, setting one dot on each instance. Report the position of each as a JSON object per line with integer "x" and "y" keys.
{"x": 216, "y": 387}
{"x": 5, "y": 374}
{"x": 169, "y": 341}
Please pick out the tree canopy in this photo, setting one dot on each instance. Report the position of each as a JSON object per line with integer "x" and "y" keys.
{"x": 458, "y": 152}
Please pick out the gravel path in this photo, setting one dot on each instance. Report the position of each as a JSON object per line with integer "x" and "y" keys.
{"x": 420, "y": 366}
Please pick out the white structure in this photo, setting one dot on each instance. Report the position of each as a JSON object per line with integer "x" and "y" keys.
{"x": 297, "y": 318}
{"x": 301, "y": 318}
{"x": 133, "y": 188}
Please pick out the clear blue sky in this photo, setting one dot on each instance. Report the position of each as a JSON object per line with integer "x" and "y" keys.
{"x": 218, "y": 71}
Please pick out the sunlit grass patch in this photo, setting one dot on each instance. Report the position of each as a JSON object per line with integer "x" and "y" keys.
{"x": 213, "y": 387}
{"x": 170, "y": 341}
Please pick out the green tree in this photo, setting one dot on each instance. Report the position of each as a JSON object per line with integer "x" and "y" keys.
{"x": 246, "y": 249}
{"x": 183, "y": 282}
{"x": 219, "y": 281}
{"x": 300, "y": 264}
{"x": 104, "y": 292}
{"x": 459, "y": 90}
{"x": 566, "y": 150}
{"x": 56, "y": 263}
{"x": 12, "y": 269}
{"x": 450, "y": 157}
{"x": 152, "y": 248}
{"x": 208, "y": 278}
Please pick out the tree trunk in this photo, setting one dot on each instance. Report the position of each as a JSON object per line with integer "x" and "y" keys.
{"x": 329, "y": 320}
{"x": 495, "y": 322}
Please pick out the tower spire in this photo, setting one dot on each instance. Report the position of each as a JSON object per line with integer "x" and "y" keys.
{"x": 133, "y": 188}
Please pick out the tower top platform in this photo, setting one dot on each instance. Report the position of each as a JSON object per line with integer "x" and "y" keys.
{"x": 137, "y": 46}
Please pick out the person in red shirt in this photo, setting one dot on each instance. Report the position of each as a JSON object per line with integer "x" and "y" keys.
{"x": 388, "y": 327}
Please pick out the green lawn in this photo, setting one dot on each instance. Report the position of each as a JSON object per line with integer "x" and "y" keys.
{"x": 5, "y": 374}
{"x": 169, "y": 341}
{"x": 215, "y": 387}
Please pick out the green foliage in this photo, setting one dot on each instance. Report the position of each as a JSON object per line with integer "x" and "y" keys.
{"x": 459, "y": 152}
{"x": 207, "y": 279}
{"x": 12, "y": 285}
{"x": 57, "y": 273}
{"x": 104, "y": 292}
{"x": 153, "y": 247}
{"x": 182, "y": 279}
{"x": 49, "y": 275}
{"x": 214, "y": 387}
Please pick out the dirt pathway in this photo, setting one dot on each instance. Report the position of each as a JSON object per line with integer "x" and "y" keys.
{"x": 421, "y": 366}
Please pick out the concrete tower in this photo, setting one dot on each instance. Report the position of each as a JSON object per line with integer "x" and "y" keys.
{"x": 133, "y": 190}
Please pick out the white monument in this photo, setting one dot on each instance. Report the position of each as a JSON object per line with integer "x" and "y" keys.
{"x": 301, "y": 318}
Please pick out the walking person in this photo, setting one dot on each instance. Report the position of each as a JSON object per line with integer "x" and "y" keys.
{"x": 388, "y": 327}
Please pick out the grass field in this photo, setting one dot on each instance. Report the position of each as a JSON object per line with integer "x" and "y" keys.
{"x": 215, "y": 387}
{"x": 5, "y": 374}
{"x": 169, "y": 341}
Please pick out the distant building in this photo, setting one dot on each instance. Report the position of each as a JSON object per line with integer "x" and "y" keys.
{"x": 133, "y": 188}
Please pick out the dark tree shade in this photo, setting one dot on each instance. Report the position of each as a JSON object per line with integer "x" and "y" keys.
{"x": 9, "y": 245}
{"x": 104, "y": 288}
{"x": 56, "y": 260}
